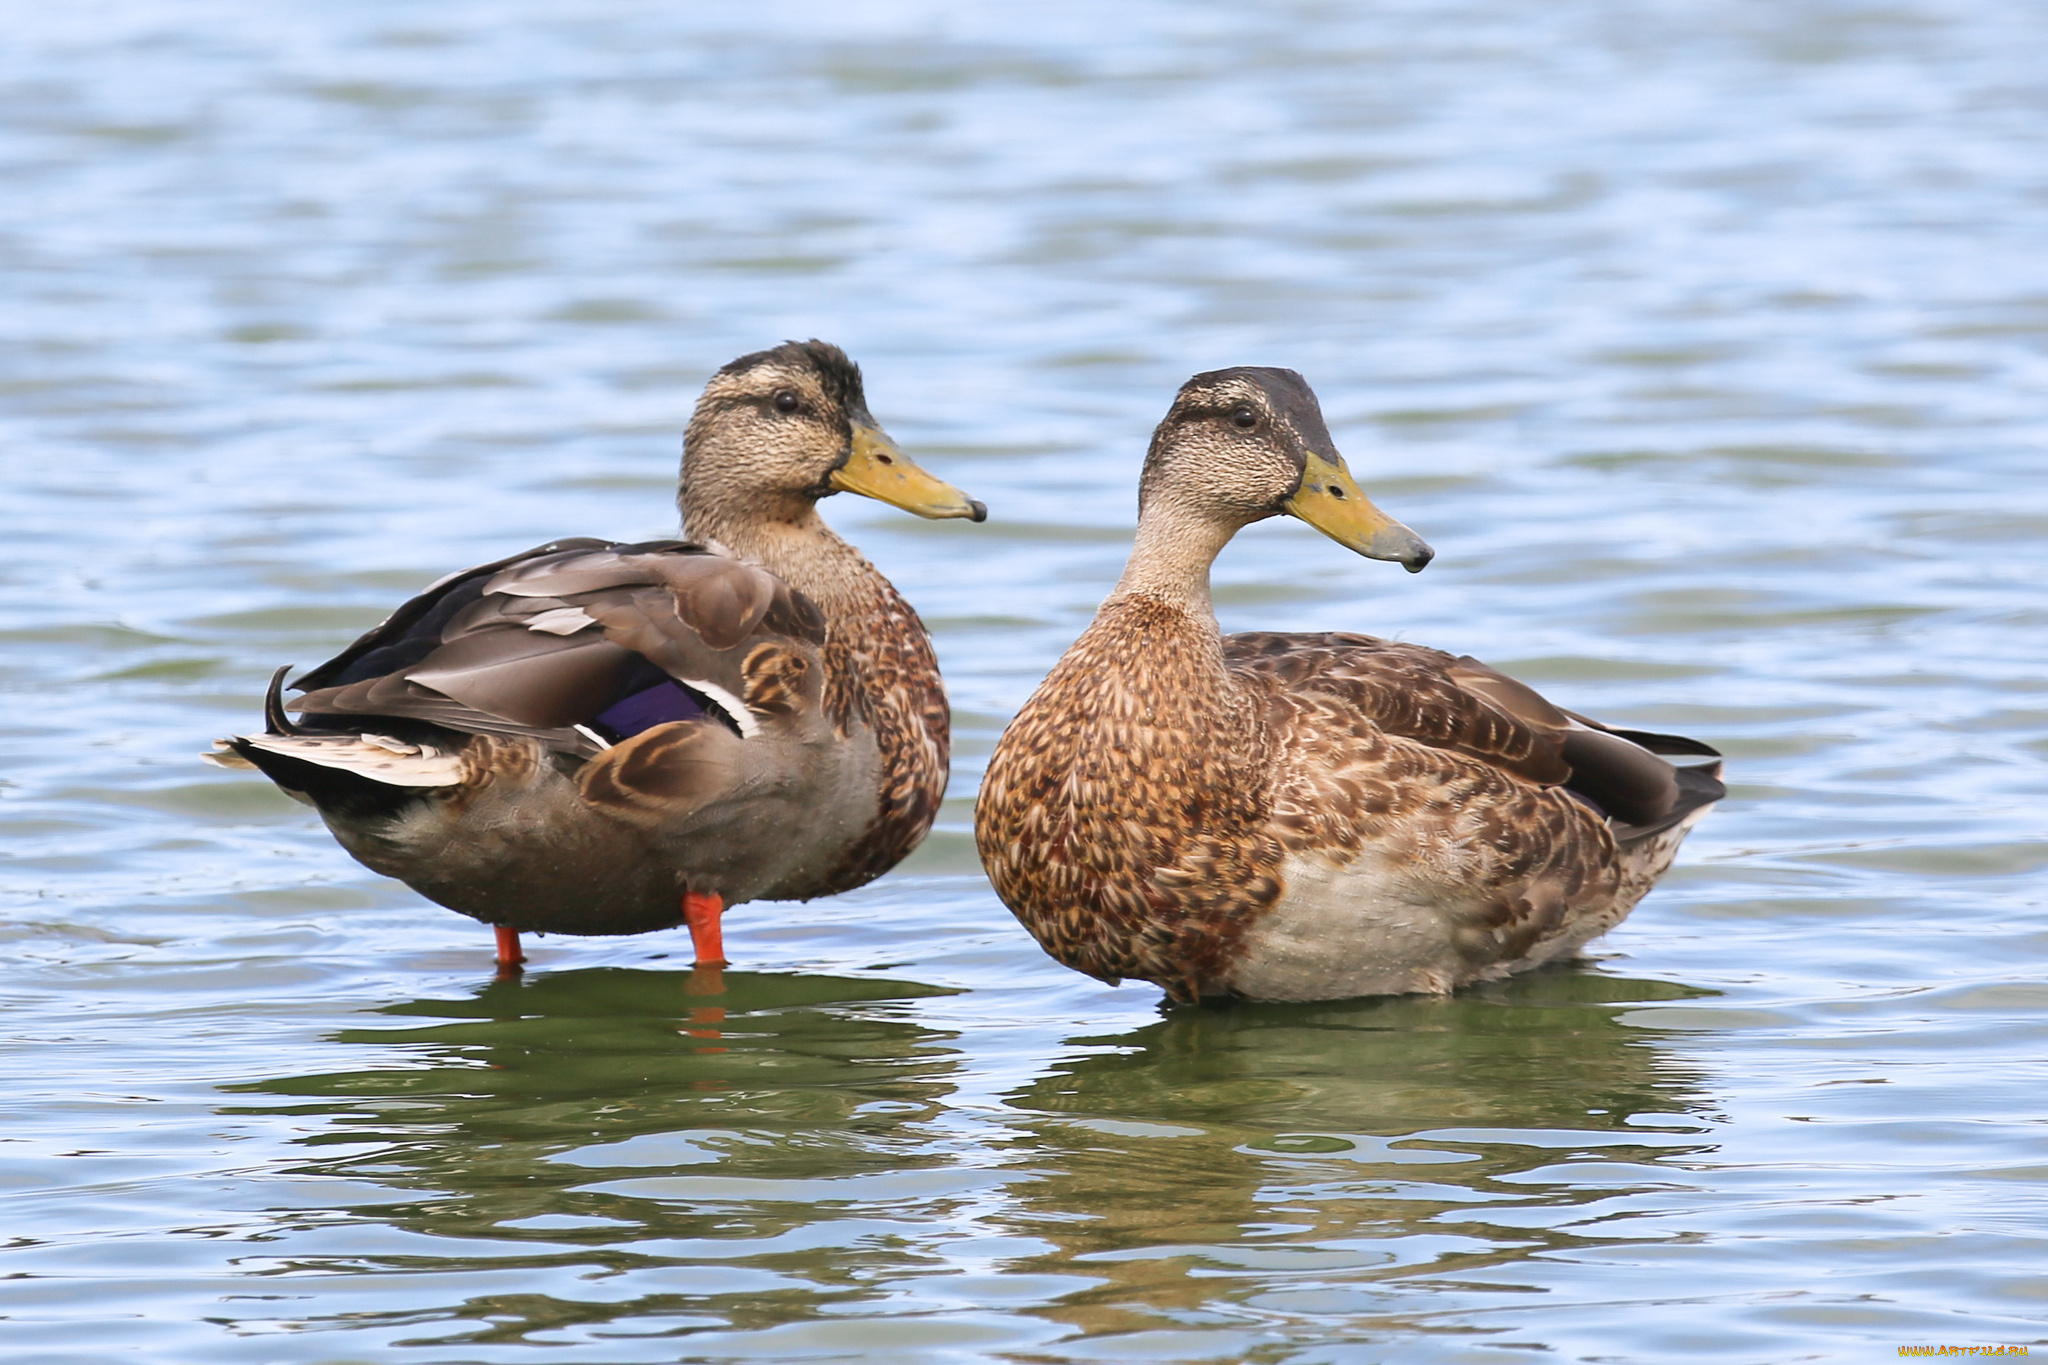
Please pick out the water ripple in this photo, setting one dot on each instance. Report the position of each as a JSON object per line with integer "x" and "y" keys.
{"x": 1706, "y": 343}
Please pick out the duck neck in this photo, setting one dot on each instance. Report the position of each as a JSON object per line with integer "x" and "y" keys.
{"x": 1148, "y": 691}
{"x": 1157, "y": 635}
{"x": 796, "y": 545}
{"x": 1170, "y": 560}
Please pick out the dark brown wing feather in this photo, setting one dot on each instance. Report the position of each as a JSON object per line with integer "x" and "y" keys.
{"x": 1417, "y": 693}
{"x": 546, "y": 641}
{"x": 408, "y": 633}
{"x": 1461, "y": 705}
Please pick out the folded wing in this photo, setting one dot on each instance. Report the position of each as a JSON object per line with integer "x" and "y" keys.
{"x": 580, "y": 644}
{"x": 1462, "y": 706}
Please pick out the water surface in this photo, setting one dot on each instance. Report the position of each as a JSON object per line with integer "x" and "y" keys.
{"x": 1707, "y": 344}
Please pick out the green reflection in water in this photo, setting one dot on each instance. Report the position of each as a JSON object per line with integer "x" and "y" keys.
{"x": 1272, "y": 1164}
{"x": 590, "y": 1153}
{"x": 502, "y": 1114}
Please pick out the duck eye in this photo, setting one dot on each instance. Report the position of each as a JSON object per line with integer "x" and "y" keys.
{"x": 785, "y": 401}
{"x": 1245, "y": 418}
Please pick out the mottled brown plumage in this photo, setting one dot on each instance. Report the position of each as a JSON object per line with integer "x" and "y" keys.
{"x": 1304, "y": 816}
{"x": 570, "y": 739}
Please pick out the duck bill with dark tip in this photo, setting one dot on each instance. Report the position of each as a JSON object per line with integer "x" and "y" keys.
{"x": 876, "y": 468}
{"x": 1329, "y": 500}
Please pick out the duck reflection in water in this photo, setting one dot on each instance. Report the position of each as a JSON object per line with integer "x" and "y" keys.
{"x": 1330, "y": 1152}
{"x": 585, "y": 1150}
{"x": 503, "y": 1102}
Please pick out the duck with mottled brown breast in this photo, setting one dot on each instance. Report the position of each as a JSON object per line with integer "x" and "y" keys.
{"x": 601, "y": 738}
{"x": 1306, "y": 816}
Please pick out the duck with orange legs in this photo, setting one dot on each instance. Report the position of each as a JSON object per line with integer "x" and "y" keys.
{"x": 601, "y": 738}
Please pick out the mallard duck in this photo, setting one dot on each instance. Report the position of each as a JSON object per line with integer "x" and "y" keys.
{"x": 1305, "y": 816}
{"x": 601, "y": 738}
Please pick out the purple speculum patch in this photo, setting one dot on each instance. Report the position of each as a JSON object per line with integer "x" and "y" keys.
{"x": 657, "y": 705}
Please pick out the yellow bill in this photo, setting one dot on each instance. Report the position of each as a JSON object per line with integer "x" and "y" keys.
{"x": 878, "y": 470}
{"x": 1330, "y": 501}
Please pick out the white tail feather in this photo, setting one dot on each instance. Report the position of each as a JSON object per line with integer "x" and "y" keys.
{"x": 377, "y": 757}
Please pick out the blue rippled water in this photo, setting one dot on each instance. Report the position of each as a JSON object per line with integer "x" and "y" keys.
{"x": 1707, "y": 344}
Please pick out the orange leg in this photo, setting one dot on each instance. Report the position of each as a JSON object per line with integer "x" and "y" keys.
{"x": 509, "y": 956}
{"x": 701, "y": 910}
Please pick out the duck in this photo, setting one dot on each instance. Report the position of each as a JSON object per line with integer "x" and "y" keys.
{"x": 1306, "y": 816}
{"x": 594, "y": 737}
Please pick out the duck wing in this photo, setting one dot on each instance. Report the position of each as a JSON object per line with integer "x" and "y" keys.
{"x": 581, "y": 644}
{"x": 1458, "y": 704}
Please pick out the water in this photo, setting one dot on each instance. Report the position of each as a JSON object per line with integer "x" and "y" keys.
{"x": 1707, "y": 344}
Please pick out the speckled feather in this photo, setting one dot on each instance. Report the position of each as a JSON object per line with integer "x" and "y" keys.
{"x": 1125, "y": 818}
{"x": 1381, "y": 749}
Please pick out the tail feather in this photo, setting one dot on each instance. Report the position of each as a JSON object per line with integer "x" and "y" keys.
{"x": 275, "y": 721}
{"x": 1699, "y": 786}
{"x": 380, "y": 758}
{"x": 341, "y": 772}
{"x": 352, "y": 776}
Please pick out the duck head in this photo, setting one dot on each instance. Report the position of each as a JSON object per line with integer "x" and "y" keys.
{"x": 777, "y": 430}
{"x": 1248, "y": 443}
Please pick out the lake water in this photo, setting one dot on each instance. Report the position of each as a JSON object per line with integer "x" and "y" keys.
{"x": 1708, "y": 344}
